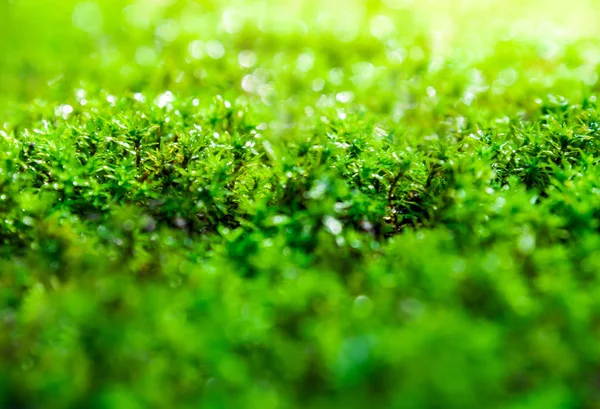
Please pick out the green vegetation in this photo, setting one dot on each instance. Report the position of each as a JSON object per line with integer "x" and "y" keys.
{"x": 287, "y": 204}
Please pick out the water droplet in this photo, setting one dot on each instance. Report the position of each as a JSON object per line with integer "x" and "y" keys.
{"x": 345, "y": 96}
{"x": 139, "y": 97}
{"x": 63, "y": 110}
{"x": 164, "y": 99}
{"x": 362, "y": 306}
{"x": 468, "y": 98}
{"x": 215, "y": 49}
{"x": 380, "y": 132}
{"x": 526, "y": 243}
{"x": 318, "y": 84}
{"x": 232, "y": 21}
{"x": 280, "y": 219}
{"x": 508, "y": 77}
{"x": 196, "y": 49}
{"x": 336, "y": 76}
{"x": 332, "y": 224}
{"x": 250, "y": 83}
{"x": 247, "y": 59}
{"x": 168, "y": 31}
{"x": 305, "y": 62}
{"x": 381, "y": 26}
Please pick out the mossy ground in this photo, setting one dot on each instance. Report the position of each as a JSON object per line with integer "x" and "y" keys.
{"x": 299, "y": 205}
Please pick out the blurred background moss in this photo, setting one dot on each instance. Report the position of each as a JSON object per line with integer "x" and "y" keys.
{"x": 176, "y": 44}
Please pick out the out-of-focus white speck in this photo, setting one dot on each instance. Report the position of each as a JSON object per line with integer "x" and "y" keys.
{"x": 318, "y": 85}
{"x": 63, "y": 110}
{"x": 332, "y": 224}
{"x": 305, "y": 62}
{"x": 345, "y": 96}
{"x": 196, "y": 49}
{"x": 164, "y": 99}
{"x": 139, "y": 97}
{"x": 381, "y": 26}
{"x": 526, "y": 243}
{"x": 247, "y": 59}
{"x": 215, "y": 49}
{"x": 232, "y": 21}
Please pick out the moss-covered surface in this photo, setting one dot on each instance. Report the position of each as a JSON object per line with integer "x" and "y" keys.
{"x": 299, "y": 205}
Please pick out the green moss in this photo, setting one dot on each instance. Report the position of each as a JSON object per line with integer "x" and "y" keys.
{"x": 283, "y": 205}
